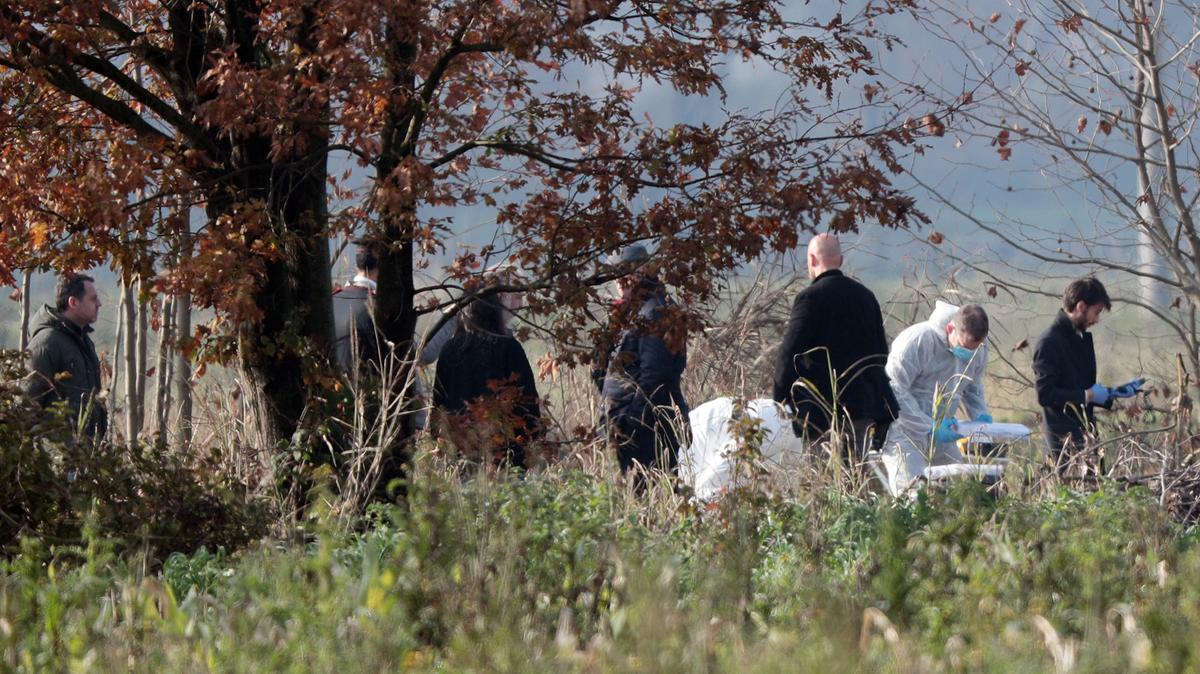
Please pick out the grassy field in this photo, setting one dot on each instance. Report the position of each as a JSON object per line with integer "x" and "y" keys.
{"x": 565, "y": 571}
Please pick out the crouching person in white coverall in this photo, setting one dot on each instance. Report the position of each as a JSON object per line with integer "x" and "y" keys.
{"x": 934, "y": 367}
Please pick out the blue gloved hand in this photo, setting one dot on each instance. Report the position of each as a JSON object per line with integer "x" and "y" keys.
{"x": 1130, "y": 389}
{"x": 985, "y": 418}
{"x": 1100, "y": 393}
{"x": 946, "y": 431}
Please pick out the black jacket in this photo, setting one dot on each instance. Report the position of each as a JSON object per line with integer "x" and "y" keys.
{"x": 842, "y": 316}
{"x": 478, "y": 368}
{"x": 63, "y": 366}
{"x": 642, "y": 386}
{"x": 1064, "y": 363}
{"x": 356, "y": 340}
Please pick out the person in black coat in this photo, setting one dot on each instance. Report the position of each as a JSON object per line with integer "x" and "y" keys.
{"x": 645, "y": 415}
{"x": 356, "y": 344}
{"x": 484, "y": 393}
{"x": 835, "y": 335}
{"x": 63, "y": 365}
{"x": 1064, "y": 364}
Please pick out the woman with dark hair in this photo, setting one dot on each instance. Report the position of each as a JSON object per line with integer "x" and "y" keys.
{"x": 484, "y": 394}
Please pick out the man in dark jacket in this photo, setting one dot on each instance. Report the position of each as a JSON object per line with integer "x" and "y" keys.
{"x": 63, "y": 365}
{"x": 835, "y": 339}
{"x": 1064, "y": 363}
{"x": 356, "y": 341}
{"x": 644, "y": 411}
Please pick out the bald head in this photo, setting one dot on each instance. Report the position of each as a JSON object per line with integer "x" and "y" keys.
{"x": 824, "y": 254}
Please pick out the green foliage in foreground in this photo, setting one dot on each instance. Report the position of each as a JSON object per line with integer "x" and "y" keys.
{"x": 566, "y": 573}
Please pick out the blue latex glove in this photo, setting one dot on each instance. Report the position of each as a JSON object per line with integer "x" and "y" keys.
{"x": 1100, "y": 393}
{"x": 946, "y": 431}
{"x": 985, "y": 418}
{"x": 1130, "y": 389}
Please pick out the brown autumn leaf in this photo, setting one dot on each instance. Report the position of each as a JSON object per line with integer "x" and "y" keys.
{"x": 548, "y": 368}
{"x": 1021, "y": 345}
{"x": 933, "y": 125}
{"x": 1004, "y": 152}
{"x": 1081, "y": 124}
{"x": 992, "y": 292}
{"x": 15, "y": 295}
{"x": 1176, "y": 302}
{"x": 936, "y": 238}
{"x": 1071, "y": 24}
{"x": 1020, "y": 23}
{"x": 994, "y": 17}
{"x": 1105, "y": 126}
{"x": 1022, "y": 67}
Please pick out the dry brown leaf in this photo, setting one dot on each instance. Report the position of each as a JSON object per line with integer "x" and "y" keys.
{"x": 933, "y": 125}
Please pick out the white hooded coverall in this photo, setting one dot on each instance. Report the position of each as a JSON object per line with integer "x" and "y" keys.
{"x": 930, "y": 383}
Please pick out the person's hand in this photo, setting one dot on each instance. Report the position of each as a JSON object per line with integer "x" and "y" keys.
{"x": 946, "y": 431}
{"x": 1129, "y": 389}
{"x": 1100, "y": 393}
{"x": 984, "y": 418}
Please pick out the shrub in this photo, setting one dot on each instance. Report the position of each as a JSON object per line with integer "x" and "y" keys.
{"x": 145, "y": 496}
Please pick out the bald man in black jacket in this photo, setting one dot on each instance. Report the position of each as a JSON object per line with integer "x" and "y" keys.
{"x": 835, "y": 336}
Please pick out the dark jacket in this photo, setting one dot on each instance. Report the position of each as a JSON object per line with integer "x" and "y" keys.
{"x": 835, "y": 326}
{"x": 486, "y": 380}
{"x": 1064, "y": 363}
{"x": 63, "y": 366}
{"x": 356, "y": 340}
{"x": 642, "y": 386}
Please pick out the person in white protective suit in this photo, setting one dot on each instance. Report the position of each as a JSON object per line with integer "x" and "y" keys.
{"x": 934, "y": 367}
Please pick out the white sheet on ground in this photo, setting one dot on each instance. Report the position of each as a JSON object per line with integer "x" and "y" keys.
{"x": 710, "y": 464}
{"x": 994, "y": 432}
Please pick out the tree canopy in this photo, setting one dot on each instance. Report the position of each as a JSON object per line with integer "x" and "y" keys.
{"x": 119, "y": 111}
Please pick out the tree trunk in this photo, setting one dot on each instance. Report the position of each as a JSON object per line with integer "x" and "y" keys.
{"x": 26, "y": 306}
{"x": 392, "y": 243}
{"x": 118, "y": 350}
{"x": 1149, "y": 257}
{"x": 181, "y": 373}
{"x": 143, "y": 340}
{"x": 296, "y": 329}
{"x": 162, "y": 379}
{"x": 128, "y": 317}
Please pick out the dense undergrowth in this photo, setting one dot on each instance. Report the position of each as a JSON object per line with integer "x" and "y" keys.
{"x": 563, "y": 571}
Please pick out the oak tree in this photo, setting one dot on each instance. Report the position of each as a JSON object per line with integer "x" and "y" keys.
{"x": 239, "y": 106}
